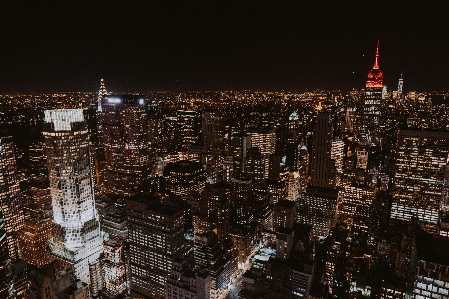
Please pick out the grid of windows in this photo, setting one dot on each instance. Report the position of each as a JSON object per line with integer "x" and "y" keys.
{"x": 10, "y": 196}
{"x": 420, "y": 175}
{"x": 77, "y": 238}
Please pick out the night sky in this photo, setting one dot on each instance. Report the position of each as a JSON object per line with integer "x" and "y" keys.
{"x": 217, "y": 45}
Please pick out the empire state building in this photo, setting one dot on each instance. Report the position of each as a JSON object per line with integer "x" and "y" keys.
{"x": 371, "y": 115}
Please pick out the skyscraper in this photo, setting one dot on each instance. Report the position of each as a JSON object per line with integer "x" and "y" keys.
{"x": 10, "y": 196}
{"x": 184, "y": 283}
{"x": 337, "y": 155}
{"x": 318, "y": 207}
{"x": 76, "y": 233}
{"x": 241, "y": 211}
{"x": 255, "y": 167}
{"x": 213, "y": 131}
{"x": 32, "y": 240}
{"x": 400, "y": 84}
{"x": 188, "y": 128}
{"x": 184, "y": 177}
{"x": 420, "y": 181}
{"x": 209, "y": 255}
{"x": 284, "y": 214}
{"x": 371, "y": 118}
{"x": 5, "y": 265}
{"x": 294, "y": 125}
{"x": 115, "y": 282}
{"x": 323, "y": 167}
{"x": 156, "y": 240}
{"x": 101, "y": 94}
{"x": 265, "y": 139}
{"x": 241, "y": 143}
{"x": 125, "y": 133}
{"x": 215, "y": 202}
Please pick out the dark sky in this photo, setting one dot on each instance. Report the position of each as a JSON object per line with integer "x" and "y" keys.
{"x": 208, "y": 45}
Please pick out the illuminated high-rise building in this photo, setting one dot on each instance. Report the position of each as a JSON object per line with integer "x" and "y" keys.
{"x": 337, "y": 155}
{"x": 212, "y": 257}
{"x": 292, "y": 181}
{"x": 349, "y": 119}
{"x": 10, "y": 196}
{"x": 115, "y": 223}
{"x": 255, "y": 167}
{"x": 125, "y": 133}
{"x": 241, "y": 198}
{"x": 5, "y": 265}
{"x": 354, "y": 195}
{"x": 168, "y": 126}
{"x": 36, "y": 198}
{"x": 318, "y": 207}
{"x": 188, "y": 128}
{"x": 323, "y": 167}
{"x": 37, "y": 230}
{"x": 183, "y": 282}
{"x": 184, "y": 177}
{"x": 276, "y": 190}
{"x": 294, "y": 126}
{"x": 400, "y": 85}
{"x": 265, "y": 139}
{"x": 156, "y": 240}
{"x": 213, "y": 131}
{"x": 76, "y": 233}
{"x": 101, "y": 94}
{"x": 371, "y": 117}
{"x": 114, "y": 268}
{"x": 420, "y": 182}
{"x": 32, "y": 240}
{"x": 215, "y": 202}
{"x": 241, "y": 143}
{"x": 284, "y": 214}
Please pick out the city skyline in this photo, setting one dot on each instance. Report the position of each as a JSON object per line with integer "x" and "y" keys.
{"x": 234, "y": 150}
{"x": 234, "y": 46}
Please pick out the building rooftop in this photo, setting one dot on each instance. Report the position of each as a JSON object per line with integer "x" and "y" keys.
{"x": 321, "y": 192}
{"x": 151, "y": 203}
{"x": 184, "y": 166}
{"x": 288, "y": 204}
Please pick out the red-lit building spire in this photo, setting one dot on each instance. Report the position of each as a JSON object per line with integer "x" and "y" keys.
{"x": 376, "y": 60}
{"x": 375, "y": 76}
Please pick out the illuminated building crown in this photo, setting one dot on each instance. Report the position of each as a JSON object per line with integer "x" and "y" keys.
{"x": 375, "y": 76}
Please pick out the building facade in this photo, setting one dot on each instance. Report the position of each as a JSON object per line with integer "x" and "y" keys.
{"x": 76, "y": 234}
{"x": 322, "y": 166}
{"x": 156, "y": 240}
{"x": 372, "y": 108}
{"x": 126, "y": 145}
{"x": 10, "y": 196}
{"x": 420, "y": 182}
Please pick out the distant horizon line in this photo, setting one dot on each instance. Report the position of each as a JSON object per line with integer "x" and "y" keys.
{"x": 210, "y": 90}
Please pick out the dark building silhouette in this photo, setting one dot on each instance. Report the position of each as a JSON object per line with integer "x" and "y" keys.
{"x": 126, "y": 145}
{"x": 322, "y": 166}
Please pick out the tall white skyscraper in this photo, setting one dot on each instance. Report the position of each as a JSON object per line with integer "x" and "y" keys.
{"x": 76, "y": 237}
{"x": 400, "y": 84}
